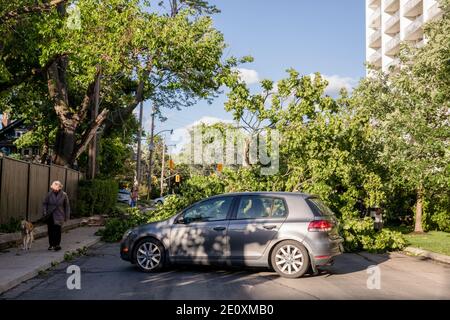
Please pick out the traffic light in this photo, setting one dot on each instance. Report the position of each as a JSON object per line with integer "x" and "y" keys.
{"x": 171, "y": 164}
{"x": 219, "y": 167}
{"x": 177, "y": 178}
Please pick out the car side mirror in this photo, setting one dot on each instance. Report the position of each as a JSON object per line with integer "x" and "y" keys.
{"x": 181, "y": 220}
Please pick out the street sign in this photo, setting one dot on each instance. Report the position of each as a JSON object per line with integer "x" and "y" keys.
{"x": 171, "y": 164}
{"x": 219, "y": 167}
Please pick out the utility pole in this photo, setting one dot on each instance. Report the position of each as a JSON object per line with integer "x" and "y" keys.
{"x": 162, "y": 167}
{"x": 138, "y": 160}
{"x": 151, "y": 148}
{"x": 169, "y": 185}
{"x": 92, "y": 152}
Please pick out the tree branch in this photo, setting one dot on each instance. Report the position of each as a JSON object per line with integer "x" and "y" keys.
{"x": 89, "y": 134}
{"x": 31, "y": 9}
{"x": 88, "y": 98}
{"x": 126, "y": 112}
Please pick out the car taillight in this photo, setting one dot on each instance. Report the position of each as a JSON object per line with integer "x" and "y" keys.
{"x": 320, "y": 226}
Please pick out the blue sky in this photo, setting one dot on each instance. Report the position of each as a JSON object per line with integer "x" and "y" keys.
{"x": 327, "y": 36}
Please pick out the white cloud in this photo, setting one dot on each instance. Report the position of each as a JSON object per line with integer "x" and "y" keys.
{"x": 181, "y": 136}
{"x": 336, "y": 83}
{"x": 207, "y": 120}
{"x": 249, "y": 76}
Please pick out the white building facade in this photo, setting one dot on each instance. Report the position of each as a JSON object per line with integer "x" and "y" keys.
{"x": 390, "y": 22}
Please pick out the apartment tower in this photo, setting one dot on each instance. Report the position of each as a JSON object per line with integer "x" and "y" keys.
{"x": 390, "y": 22}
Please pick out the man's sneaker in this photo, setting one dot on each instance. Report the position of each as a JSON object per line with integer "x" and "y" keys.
{"x": 57, "y": 248}
{"x": 51, "y": 248}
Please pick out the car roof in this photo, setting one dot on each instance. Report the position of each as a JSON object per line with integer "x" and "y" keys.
{"x": 265, "y": 193}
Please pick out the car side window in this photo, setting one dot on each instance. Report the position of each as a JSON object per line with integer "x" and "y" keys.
{"x": 210, "y": 210}
{"x": 253, "y": 207}
{"x": 279, "y": 209}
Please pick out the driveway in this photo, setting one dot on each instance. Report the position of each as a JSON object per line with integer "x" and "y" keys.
{"x": 105, "y": 276}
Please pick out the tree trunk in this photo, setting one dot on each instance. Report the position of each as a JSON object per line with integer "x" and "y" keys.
{"x": 419, "y": 211}
{"x": 45, "y": 150}
{"x": 64, "y": 145}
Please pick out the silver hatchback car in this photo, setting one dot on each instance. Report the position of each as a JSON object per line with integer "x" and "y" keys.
{"x": 289, "y": 232}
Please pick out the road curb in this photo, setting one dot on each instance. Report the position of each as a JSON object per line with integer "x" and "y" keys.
{"x": 15, "y": 282}
{"x": 428, "y": 254}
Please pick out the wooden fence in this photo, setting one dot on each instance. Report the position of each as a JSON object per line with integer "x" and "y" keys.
{"x": 23, "y": 186}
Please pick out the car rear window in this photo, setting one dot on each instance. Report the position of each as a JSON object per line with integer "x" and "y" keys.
{"x": 318, "y": 207}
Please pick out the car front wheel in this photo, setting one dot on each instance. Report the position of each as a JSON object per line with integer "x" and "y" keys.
{"x": 149, "y": 255}
{"x": 290, "y": 259}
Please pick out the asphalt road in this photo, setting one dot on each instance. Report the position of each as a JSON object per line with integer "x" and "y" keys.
{"x": 105, "y": 276}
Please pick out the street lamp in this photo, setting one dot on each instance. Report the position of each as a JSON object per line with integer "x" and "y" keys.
{"x": 151, "y": 144}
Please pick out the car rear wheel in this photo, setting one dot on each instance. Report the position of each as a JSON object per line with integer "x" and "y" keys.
{"x": 290, "y": 259}
{"x": 149, "y": 255}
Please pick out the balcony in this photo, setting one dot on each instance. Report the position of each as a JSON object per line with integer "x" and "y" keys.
{"x": 413, "y": 8}
{"x": 393, "y": 46}
{"x": 375, "y": 58}
{"x": 392, "y": 25}
{"x": 391, "y": 6}
{"x": 374, "y": 4}
{"x": 414, "y": 31}
{"x": 434, "y": 12}
{"x": 375, "y": 39}
{"x": 375, "y": 19}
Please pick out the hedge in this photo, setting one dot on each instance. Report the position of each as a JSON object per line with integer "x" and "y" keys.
{"x": 96, "y": 197}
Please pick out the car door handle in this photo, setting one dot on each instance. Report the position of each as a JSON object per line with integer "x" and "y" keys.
{"x": 219, "y": 228}
{"x": 270, "y": 227}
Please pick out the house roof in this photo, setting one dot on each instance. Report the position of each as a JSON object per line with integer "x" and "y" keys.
{"x": 13, "y": 125}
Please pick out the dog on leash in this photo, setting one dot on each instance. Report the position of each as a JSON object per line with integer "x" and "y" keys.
{"x": 27, "y": 229}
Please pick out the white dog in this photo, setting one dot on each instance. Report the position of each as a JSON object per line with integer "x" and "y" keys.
{"x": 27, "y": 234}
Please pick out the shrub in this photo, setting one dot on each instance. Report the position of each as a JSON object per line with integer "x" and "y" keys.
{"x": 119, "y": 210}
{"x": 13, "y": 225}
{"x": 442, "y": 221}
{"x": 115, "y": 227}
{"x": 359, "y": 234}
{"x": 96, "y": 197}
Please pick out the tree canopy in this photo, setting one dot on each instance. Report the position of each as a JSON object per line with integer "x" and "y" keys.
{"x": 52, "y": 60}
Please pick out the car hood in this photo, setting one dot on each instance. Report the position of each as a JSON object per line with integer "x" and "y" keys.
{"x": 157, "y": 226}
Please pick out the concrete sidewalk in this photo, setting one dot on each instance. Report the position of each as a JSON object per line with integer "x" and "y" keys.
{"x": 17, "y": 265}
